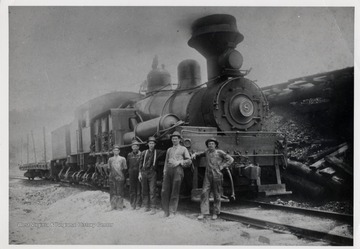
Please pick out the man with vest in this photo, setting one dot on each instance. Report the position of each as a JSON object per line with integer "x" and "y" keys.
{"x": 177, "y": 157}
{"x": 133, "y": 161}
{"x": 216, "y": 160}
{"x": 147, "y": 175}
{"x": 117, "y": 167}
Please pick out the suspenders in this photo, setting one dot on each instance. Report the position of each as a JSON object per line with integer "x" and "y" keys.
{"x": 145, "y": 158}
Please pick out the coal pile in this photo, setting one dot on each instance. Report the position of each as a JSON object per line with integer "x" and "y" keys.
{"x": 301, "y": 132}
{"x": 319, "y": 157}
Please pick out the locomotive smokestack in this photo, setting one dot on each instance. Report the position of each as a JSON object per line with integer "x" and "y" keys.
{"x": 215, "y": 37}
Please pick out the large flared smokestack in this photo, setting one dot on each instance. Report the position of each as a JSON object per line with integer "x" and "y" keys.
{"x": 216, "y": 37}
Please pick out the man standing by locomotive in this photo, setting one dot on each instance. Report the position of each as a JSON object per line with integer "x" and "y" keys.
{"x": 133, "y": 161}
{"x": 117, "y": 166}
{"x": 216, "y": 160}
{"x": 147, "y": 175}
{"x": 177, "y": 157}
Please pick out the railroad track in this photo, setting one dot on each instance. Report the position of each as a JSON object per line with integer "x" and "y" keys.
{"x": 277, "y": 227}
{"x": 21, "y": 178}
{"x": 348, "y": 218}
{"x": 311, "y": 234}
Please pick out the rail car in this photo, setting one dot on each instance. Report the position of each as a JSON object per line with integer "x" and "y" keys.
{"x": 228, "y": 106}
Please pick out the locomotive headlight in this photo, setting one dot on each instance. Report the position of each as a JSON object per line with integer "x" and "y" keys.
{"x": 235, "y": 59}
{"x": 231, "y": 59}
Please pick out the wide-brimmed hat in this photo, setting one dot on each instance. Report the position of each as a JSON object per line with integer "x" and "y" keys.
{"x": 212, "y": 140}
{"x": 176, "y": 133}
{"x": 151, "y": 139}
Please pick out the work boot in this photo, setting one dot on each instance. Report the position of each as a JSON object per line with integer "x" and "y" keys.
{"x": 201, "y": 217}
{"x": 166, "y": 215}
{"x": 214, "y": 217}
{"x": 172, "y": 215}
{"x": 153, "y": 211}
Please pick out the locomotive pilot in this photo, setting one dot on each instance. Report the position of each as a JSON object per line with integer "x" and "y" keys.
{"x": 133, "y": 161}
{"x": 216, "y": 160}
{"x": 117, "y": 167}
{"x": 177, "y": 157}
{"x": 147, "y": 175}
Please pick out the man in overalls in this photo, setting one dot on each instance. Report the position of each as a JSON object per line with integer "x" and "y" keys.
{"x": 177, "y": 157}
{"x": 133, "y": 161}
{"x": 216, "y": 160}
{"x": 117, "y": 166}
{"x": 147, "y": 176}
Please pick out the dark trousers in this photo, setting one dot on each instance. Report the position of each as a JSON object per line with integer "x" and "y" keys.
{"x": 135, "y": 188}
{"x": 171, "y": 189}
{"x": 116, "y": 194}
{"x": 213, "y": 183}
{"x": 148, "y": 183}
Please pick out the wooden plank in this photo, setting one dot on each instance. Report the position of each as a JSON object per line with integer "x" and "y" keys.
{"x": 327, "y": 171}
{"x": 338, "y": 164}
{"x": 338, "y": 179}
{"x": 319, "y": 163}
{"x": 324, "y": 153}
{"x": 305, "y": 172}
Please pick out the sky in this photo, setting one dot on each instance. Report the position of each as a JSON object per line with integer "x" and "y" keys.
{"x": 65, "y": 56}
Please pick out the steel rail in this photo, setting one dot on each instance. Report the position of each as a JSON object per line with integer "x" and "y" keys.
{"x": 283, "y": 228}
{"x": 15, "y": 177}
{"x": 348, "y": 218}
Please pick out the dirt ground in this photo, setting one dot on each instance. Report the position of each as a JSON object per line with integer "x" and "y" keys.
{"x": 42, "y": 212}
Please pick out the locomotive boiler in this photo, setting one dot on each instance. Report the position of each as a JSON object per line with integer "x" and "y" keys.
{"x": 227, "y": 106}
{"x": 228, "y": 101}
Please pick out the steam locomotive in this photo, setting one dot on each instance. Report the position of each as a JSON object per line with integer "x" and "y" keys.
{"x": 228, "y": 106}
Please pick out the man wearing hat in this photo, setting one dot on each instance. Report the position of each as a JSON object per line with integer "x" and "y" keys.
{"x": 216, "y": 160}
{"x": 147, "y": 175}
{"x": 177, "y": 157}
{"x": 117, "y": 166}
{"x": 133, "y": 160}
